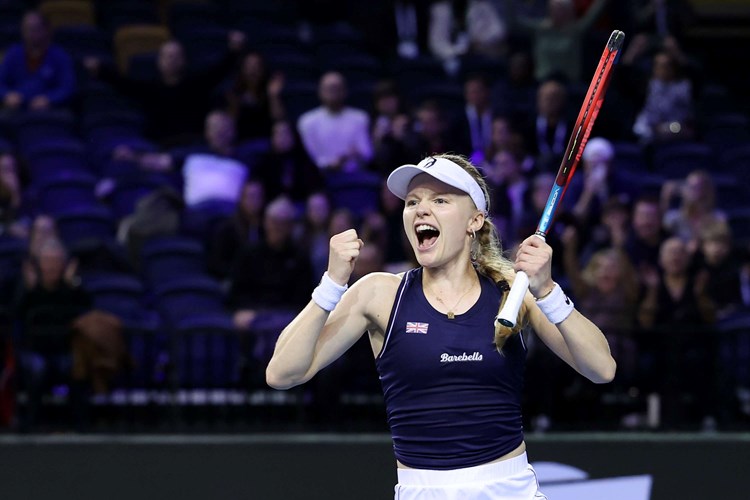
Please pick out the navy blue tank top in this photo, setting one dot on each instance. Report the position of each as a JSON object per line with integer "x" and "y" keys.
{"x": 452, "y": 399}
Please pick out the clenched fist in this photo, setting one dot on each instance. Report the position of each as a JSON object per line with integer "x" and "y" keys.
{"x": 534, "y": 257}
{"x": 343, "y": 254}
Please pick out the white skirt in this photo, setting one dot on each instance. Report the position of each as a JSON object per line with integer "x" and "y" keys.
{"x": 511, "y": 479}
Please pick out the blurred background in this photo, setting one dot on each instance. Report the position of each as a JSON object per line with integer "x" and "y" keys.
{"x": 171, "y": 172}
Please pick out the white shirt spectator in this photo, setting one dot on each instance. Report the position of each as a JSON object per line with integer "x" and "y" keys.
{"x": 211, "y": 177}
{"x": 328, "y": 137}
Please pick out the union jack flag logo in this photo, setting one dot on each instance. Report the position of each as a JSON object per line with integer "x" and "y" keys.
{"x": 413, "y": 327}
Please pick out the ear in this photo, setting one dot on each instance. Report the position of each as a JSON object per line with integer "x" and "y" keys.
{"x": 477, "y": 221}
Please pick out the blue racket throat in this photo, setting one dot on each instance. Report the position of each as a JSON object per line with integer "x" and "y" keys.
{"x": 555, "y": 196}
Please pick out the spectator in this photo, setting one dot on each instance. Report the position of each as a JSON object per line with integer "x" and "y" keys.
{"x": 273, "y": 273}
{"x": 547, "y": 131}
{"x": 599, "y": 183}
{"x": 541, "y": 186}
{"x": 606, "y": 291}
{"x": 510, "y": 193}
{"x": 254, "y": 98}
{"x": 474, "y": 126}
{"x": 389, "y": 124}
{"x": 675, "y": 311}
{"x": 176, "y": 104}
{"x": 336, "y": 136}
{"x": 215, "y": 172}
{"x": 341, "y": 218}
{"x": 43, "y": 229}
{"x": 430, "y": 133}
{"x": 394, "y": 28}
{"x": 48, "y": 301}
{"x": 211, "y": 170}
{"x": 515, "y": 95}
{"x": 315, "y": 232}
{"x": 459, "y": 28}
{"x": 722, "y": 262}
{"x": 696, "y": 196}
{"x": 158, "y": 213}
{"x": 667, "y": 112}
{"x": 244, "y": 227}
{"x": 558, "y": 39}
{"x": 288, "y": 169}
{"x": 646, "y": 233}
{"x": 655, "y": 18}
{"x": 36, "y": 74}
{"x": 399, "y": 255}
{"x": 609, "y": 230}
{"x": 505, "y": 136}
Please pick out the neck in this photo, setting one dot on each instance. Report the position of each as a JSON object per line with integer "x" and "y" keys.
{"x": 451, "y": 291}
{"x": 452, "y": 279}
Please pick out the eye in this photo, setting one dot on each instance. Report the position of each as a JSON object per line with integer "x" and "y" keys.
{"x": 441, "y": 201}
{"x": 411, "y": 203}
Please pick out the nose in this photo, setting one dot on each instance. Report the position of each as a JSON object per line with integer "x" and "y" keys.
{"x": 422, "y": 209}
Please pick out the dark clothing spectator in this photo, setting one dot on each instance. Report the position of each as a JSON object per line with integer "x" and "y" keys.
{"x": 175, "y": 112}
{"x": 243, "y": 228}
{"x": 46, "y": 305}
{"x": 50, "y": 75}
{"x": 254, "y": 98}
{"x": 395, "y": 28}
{"x": 287, "y": 168}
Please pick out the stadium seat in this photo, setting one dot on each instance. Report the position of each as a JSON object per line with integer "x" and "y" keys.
{"x": 61, "y": 13}
{"x": 629, "y": 156}
{"x": 676, "y": 160}
{"x": 736, "y": 160}
{"x": 200, "y": 221}
{"x": 167, "y": 259}
{"x": 357, "y": 191}
{"x": 207, "y": 352}
{"x": 31, "y": 130}
{"x": 51, "y": 158}
{"x": 188, "y": 295}
{"x": 78, "y": 227}
{"x": 127, "y": 191}
{"x": 726, "y": 130}
{"x": 131, "y": 40}
{"x": 60, "y": 193}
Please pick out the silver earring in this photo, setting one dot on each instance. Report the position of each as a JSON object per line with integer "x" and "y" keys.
{"x": 473, "y": 234}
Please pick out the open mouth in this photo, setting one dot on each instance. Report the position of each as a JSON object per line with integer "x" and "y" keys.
{"x": 427, "y": 236}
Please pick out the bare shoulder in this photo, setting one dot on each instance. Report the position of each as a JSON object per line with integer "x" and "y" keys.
{"x": 376, "y": 293}
{"x": 379, "y": 285}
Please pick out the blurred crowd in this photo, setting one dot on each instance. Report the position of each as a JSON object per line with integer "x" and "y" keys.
{"x": 177, "y": 168}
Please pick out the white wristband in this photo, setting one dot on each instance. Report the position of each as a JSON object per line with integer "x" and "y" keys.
{"x": 556, "y": 305}
{"x": 328, "y": 293}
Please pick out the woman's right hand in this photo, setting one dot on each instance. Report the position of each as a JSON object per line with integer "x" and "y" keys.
{"x": 343, "y": 253}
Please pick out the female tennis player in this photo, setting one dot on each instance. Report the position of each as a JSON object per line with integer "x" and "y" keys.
{"x": 451, "y": 378}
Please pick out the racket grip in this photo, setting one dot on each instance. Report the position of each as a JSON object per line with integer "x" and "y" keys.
{"x": 509, "y": 313}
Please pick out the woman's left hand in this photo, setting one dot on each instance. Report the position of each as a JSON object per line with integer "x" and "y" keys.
{"x": 534, "y": 257}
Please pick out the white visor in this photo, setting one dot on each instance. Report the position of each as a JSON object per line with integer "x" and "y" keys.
{"x": 441, "y": 169}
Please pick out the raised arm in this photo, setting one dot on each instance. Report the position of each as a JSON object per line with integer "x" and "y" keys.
{"x": 570, "y": 335}
{"x": 321, "y": 333}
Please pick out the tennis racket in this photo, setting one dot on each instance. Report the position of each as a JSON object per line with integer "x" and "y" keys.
{"x": 579, "y": 136}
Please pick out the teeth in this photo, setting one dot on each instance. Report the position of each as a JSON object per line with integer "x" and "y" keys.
{"x": 425, "y": 227}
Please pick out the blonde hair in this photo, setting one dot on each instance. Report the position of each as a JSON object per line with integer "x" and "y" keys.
{"x": 628, "y": 283}
{"x": 487, "y": 254}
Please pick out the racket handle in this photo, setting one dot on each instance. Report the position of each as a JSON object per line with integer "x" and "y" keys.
{"x": 509, "y": 313}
